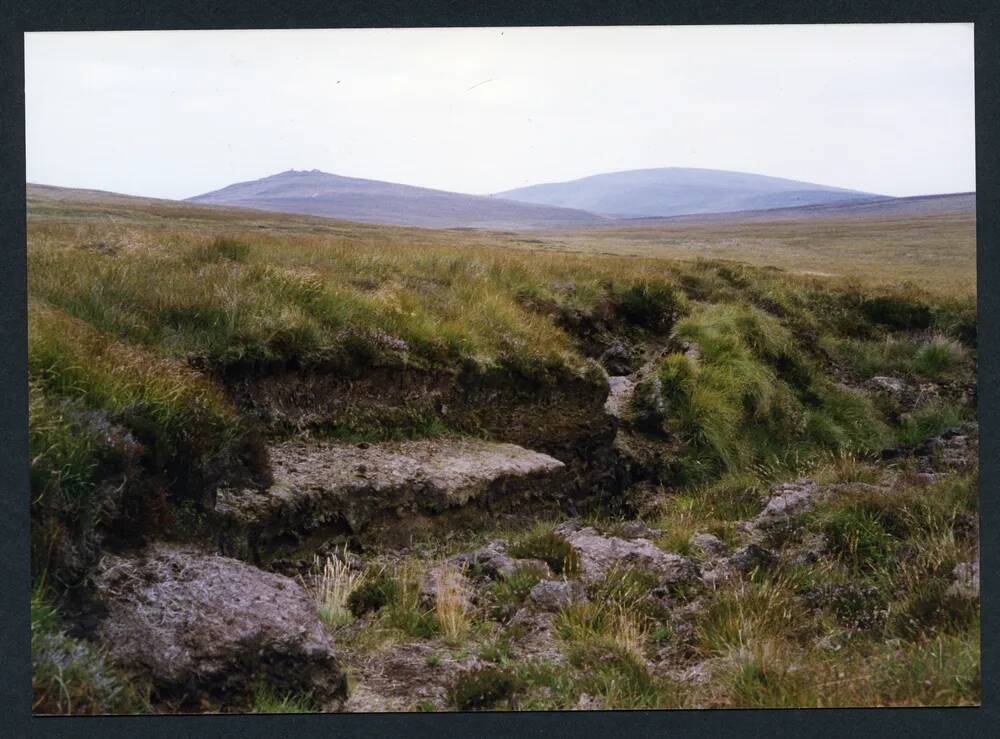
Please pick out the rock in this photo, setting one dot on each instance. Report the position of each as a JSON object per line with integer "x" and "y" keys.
{"x": 966, "y": 583}
{"x": 599, "y": 554}
{"x": 492, "y": 561}
{"x": 552, "y": 595}
{"x": 619, "y": 396}
{"x": 650, "y": 404}
{"x": 587, "y": 702}
{"x": 636, "y": 530}
{"x": 618, "y": 358}
{"x": 446, "y": 577}
{"x": 202, "y": 626}
{"x": 324, "y": 485}
{"x": 891, "y": 386}
{"x": 751, "y": 557}
{"x": 709, "y": 545}
{"x": 787, "y": 502}
{"x": 953, "y": 449}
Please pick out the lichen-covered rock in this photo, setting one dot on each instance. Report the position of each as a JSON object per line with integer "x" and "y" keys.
{"x": 787, "y": 503}
{"x": 349, "y": 487}
{"x": 954, "y": 449}
{"x": 891, "y": 386}
{"x": 551, "y": 595}
{"x": 492, "y": 561}
{"x": 966, "y": 580}
{"x": 619, "y": 396}
{"x": 751, "y": 557}
{"x": 599, "y": 554}
{"x": 635, "y": 530}
{"x": 709, "y": 545}
{"x": 204, "y": 627}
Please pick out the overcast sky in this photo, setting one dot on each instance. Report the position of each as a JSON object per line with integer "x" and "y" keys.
{"x": 882, "y": 108}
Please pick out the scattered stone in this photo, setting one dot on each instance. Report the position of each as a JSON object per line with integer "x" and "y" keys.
{"x": 636, "y": 530}
{"x": 202, "y": 626}
{"x": 709, "y": 545}
{"x": 752, "y": 557}
{"x": 551, "y": 595}
{"x": 787, "y": 502}
{"x": 587, "y": 702}
{"x": 618, "y": 358}
{"x": 619, "y": 396}
{"x": 598, "y": 554}
{"x": 891, "y": 386}
{"x": 966, "y": 583}
{"x": 492, "y": 561}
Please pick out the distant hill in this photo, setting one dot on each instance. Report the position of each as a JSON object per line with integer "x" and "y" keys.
{"x": 372, "y": 201}
{"x": 673, "y": 191}
{"x": 887, "y": 208}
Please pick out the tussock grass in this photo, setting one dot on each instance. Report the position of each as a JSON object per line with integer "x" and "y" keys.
{"x": 752, "y": 399}
{"x": 451, "y": 603}
{"x": 335, "y": 582}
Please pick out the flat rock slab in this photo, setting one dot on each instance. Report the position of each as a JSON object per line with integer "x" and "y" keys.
{"x": 317, "y": 483}
{"x": 205, "y": 627}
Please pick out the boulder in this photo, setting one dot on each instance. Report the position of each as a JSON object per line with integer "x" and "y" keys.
{"x": 201, "y": 627}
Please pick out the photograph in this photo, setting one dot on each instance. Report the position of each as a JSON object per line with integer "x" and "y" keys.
{"x": 538, "y": 368}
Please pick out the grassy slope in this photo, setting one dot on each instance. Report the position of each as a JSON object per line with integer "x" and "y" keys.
{"x": 937, "y": 252}
{"x": 135, "y": 304}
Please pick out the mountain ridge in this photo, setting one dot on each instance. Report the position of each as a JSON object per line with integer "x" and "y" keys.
{"x": 313, "y": 192}
{"x": 672, "y": 191}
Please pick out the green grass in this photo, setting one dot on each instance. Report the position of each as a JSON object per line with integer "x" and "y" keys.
{"x": 266, "y": 700}
{"x": 140, "y": 326}
{"x": 752, "y": 397}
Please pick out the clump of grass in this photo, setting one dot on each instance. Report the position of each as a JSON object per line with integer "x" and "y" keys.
{"x": 928, "y": 421}
{"x": 451, "y": 603}
{"x": 507, "y": 594}
{"x": 266, "y": 700}
{"x": 651, "y": 304}
{"x": 748, "y": 612}
{"x": 544, "y": 544}
{"x": 485, "y": 688}
{"x": 616, "y": 675}
{"x": 937, "y": 356}
{"x": 751, "y": 398}
{"x": 335, "y": 582}
{"x": 405, "y": 611}
{"x": 858, "y": 537}
{"x": 374, "y": 591}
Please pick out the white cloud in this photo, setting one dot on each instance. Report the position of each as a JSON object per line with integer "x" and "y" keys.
{"x": 885, "y": 108}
